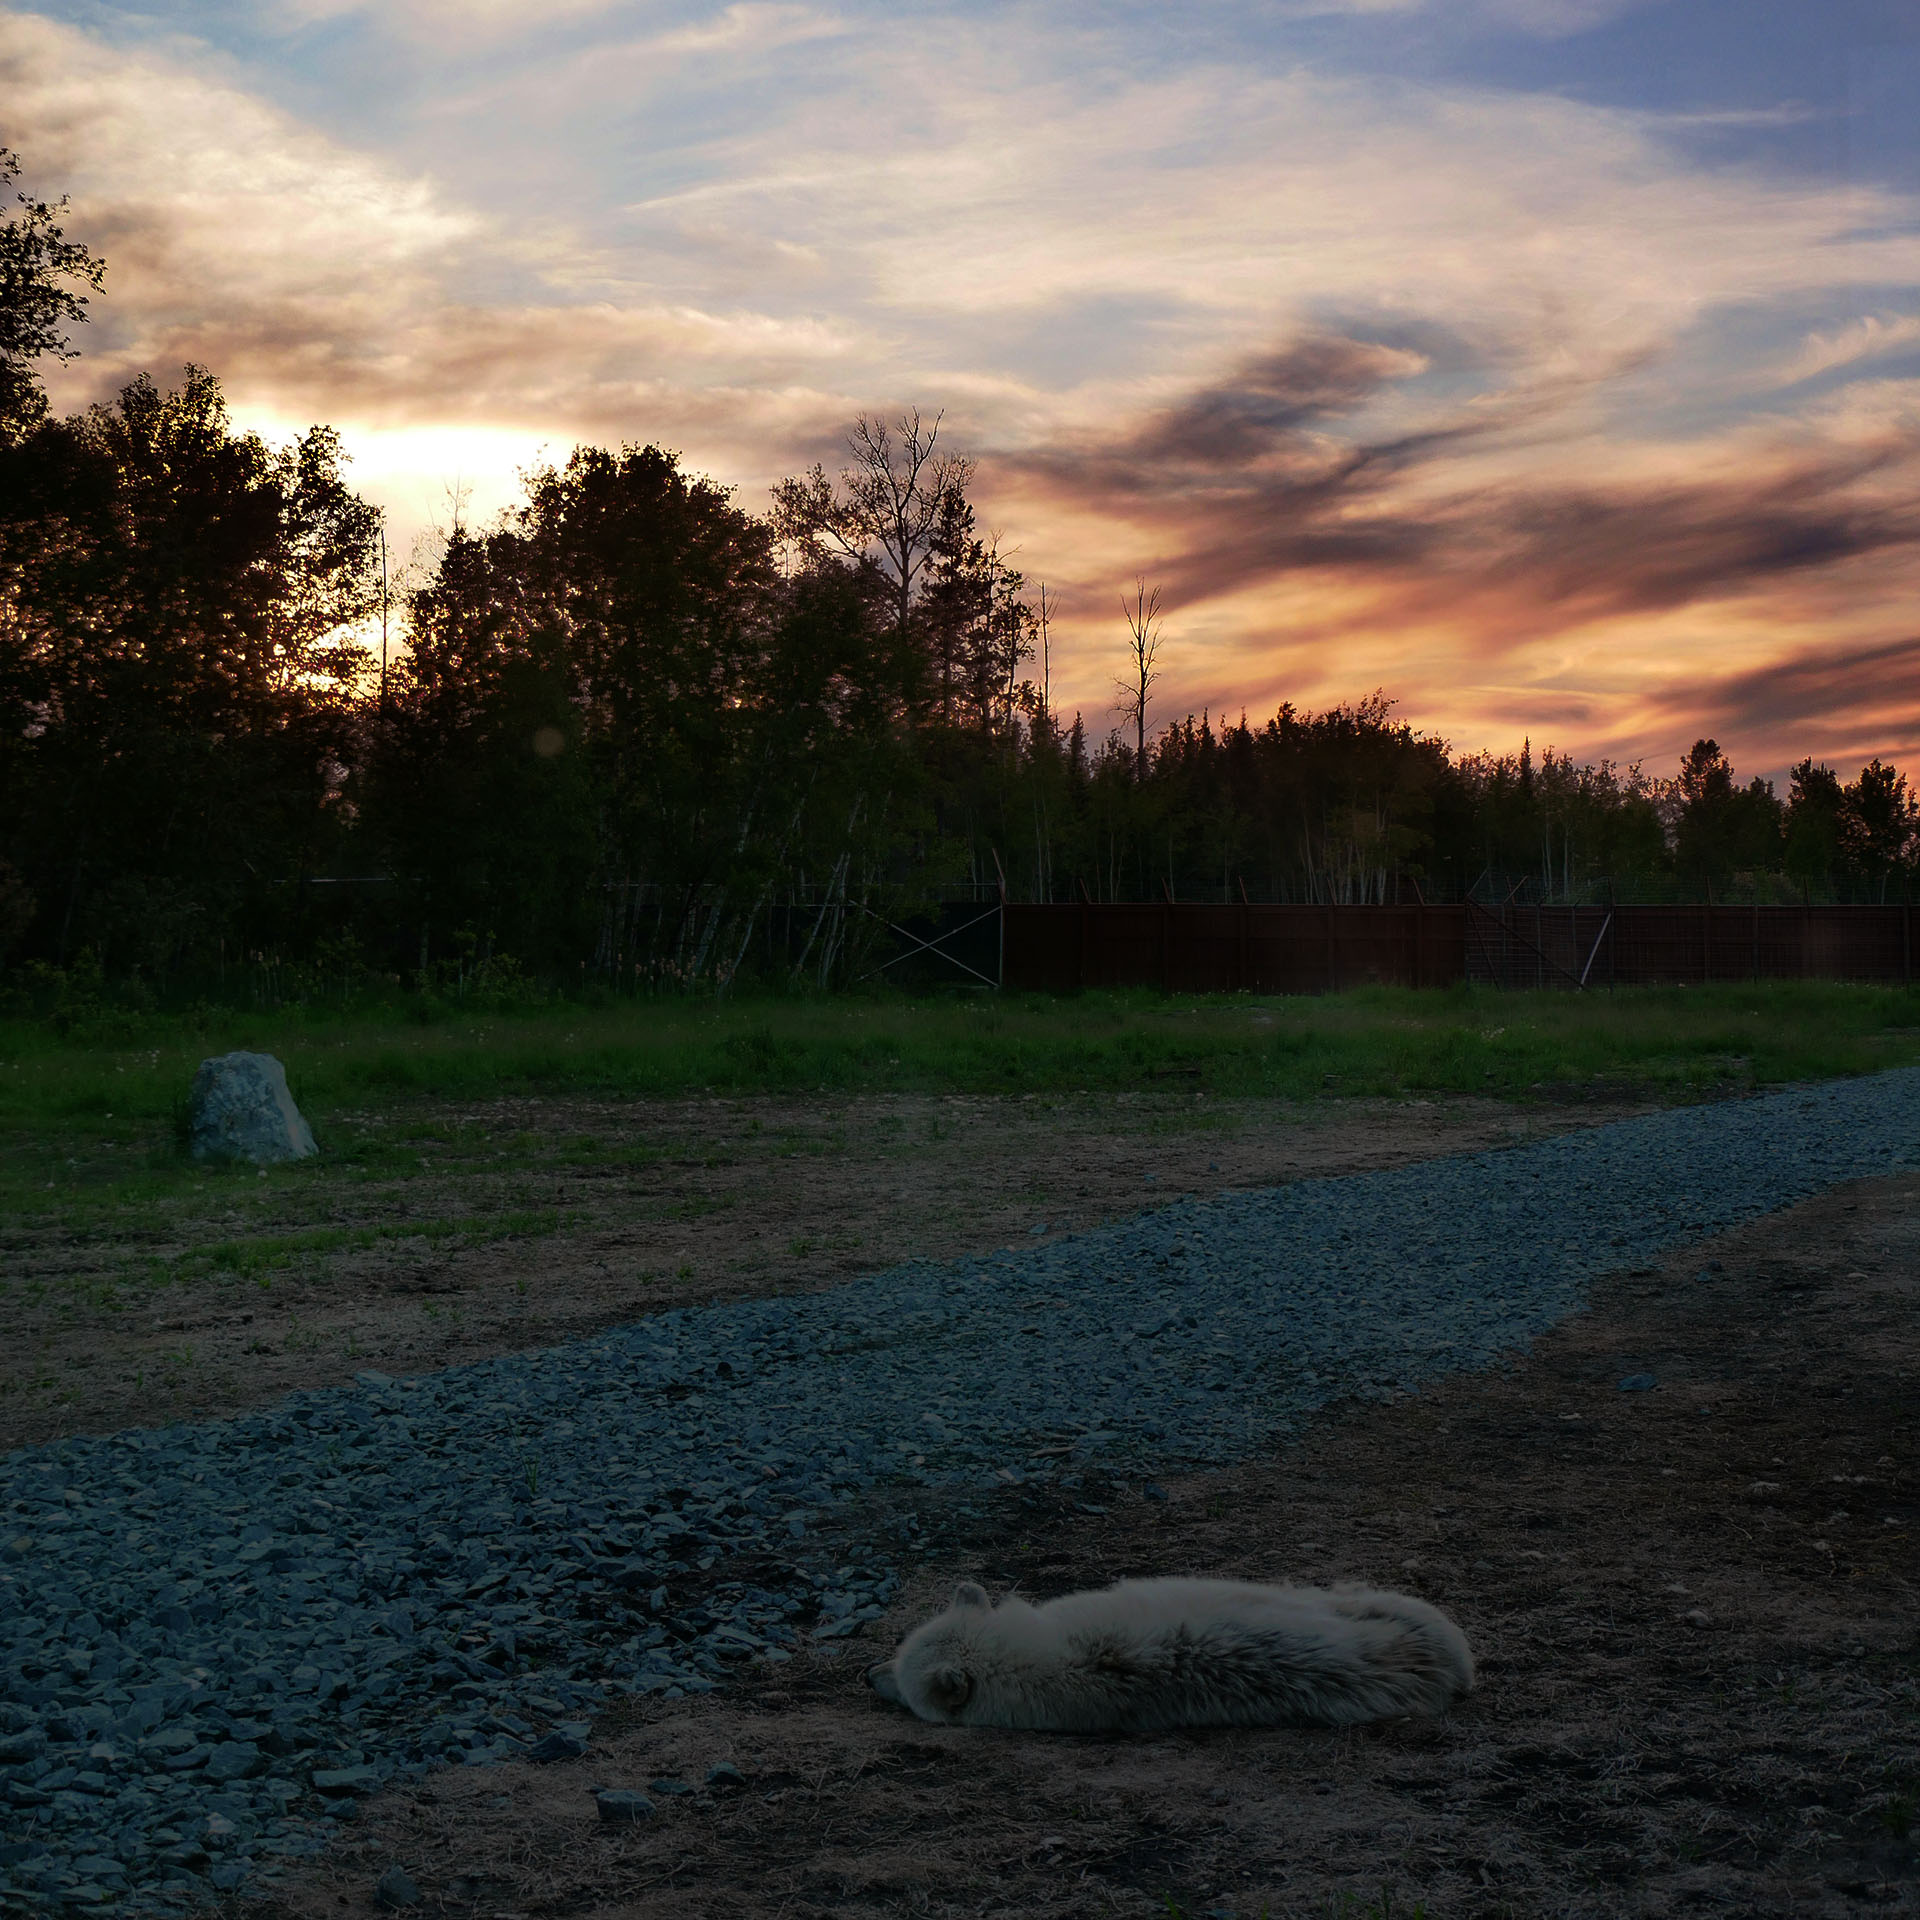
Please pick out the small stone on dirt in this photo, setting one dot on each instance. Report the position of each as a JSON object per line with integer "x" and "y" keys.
{"x": 554, "y": 1746}
{"x": 621, "y": 1806}
{"x": 395, "y": 1888}
{"x": 1637, "y": 1383}
{"x": 725, "y": 1774}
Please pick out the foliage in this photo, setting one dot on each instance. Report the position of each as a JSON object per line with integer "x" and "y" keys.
{"x": 643, "y": 737}
{"x": 176, "y": 678}
{"x": 620, "y": 726}
{"x": 41, "y": 272}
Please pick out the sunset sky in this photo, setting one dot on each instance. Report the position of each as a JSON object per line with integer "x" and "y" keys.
{"x": 1553, "y": 364}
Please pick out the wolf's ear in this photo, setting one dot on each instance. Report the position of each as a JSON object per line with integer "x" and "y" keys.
{"x": 949, "y": 1688}
{"x": 970, "y": 1593}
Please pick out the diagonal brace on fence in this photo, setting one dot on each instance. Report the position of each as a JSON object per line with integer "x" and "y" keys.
{"x": 934, "y": 946}
{"x": 1513, "y": 933}
{"x": 1595, "y": 954}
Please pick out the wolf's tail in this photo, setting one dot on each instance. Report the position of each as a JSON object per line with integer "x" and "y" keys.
{"x": 1416, "y": 1658}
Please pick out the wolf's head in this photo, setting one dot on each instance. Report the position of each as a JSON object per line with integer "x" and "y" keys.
{"x": 934, "y": 1670}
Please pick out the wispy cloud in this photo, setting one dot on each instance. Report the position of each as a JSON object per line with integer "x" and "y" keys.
{"x": 1553, "y": 19}
{"x": 757, "y": 24}
{"x": 1830, "y": 701}
{"x": 1864, "y": 339}
{"x": 1488, "y": 394}
{"x": 463, "y": 23}
{"x": 1496, "y": 558}
{"x": 201, "y": 196}
{"x": 321, "y": 283}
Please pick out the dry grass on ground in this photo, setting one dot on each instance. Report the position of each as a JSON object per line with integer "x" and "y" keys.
{"x": 1696, "y": 1610}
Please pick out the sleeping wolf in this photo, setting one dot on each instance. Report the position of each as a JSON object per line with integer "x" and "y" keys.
{"x": 1149, "y": 1654}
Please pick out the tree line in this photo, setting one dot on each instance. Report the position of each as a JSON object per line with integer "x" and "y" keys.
{"x": 634, "y": 732}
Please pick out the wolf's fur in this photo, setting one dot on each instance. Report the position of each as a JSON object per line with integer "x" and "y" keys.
{"x": 1150, "y": 1654}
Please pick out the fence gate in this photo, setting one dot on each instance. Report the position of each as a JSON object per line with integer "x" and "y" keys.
{"x": 1511, "y": 946}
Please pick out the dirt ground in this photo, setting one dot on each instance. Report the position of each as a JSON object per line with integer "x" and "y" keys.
{"x": 1695, "y": 1609}
{"x": 428, "y": 1236}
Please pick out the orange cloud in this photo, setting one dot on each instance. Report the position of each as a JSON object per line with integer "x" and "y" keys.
{"x": 1428, "y": 387}
{"x": 1495, "y": 585}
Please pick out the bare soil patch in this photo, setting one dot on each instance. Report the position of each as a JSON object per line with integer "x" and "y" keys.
{"x": 435, "y": 1235}
{"x": 1695, "y": 1609}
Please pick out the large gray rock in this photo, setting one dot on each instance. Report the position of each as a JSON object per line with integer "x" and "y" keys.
{"x": 240, "y": 1109}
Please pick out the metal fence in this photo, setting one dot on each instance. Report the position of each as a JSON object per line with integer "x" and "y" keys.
{"x": 1516, "y": 946}
{"x": 1322, "y": 949}
{"x": 1232, "y": 949}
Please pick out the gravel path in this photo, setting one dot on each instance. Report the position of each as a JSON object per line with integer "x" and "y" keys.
{"x": 213, "y": 1638}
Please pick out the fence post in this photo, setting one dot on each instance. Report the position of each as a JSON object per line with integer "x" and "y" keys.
{"x": 1419, "y": 937}
{"x": 1333, "y": 964}
{"x": 1244, "y": 953}
{"x": 1000, "y": 921}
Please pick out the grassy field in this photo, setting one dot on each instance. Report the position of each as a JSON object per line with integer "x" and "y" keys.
{"x": 514, "y": 1174}
{"x": 74, "y": 1112}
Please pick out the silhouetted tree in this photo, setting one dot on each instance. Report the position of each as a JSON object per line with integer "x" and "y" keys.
{"x": 635, "y": 724}
{"x": 177, "y": 667}
{"x": 1721, "y": 828}
{"x": 1143, "y": 648}
{"x": 1812, "y": 853}
{"x": 618, "y": 688}
{"x": 887, "y": 511}
{"x": 1878, "y": 827}
{"x": 41, "y": 274}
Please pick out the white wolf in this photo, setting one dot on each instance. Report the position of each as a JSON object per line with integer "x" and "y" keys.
{"x": 1150, "y": 1654}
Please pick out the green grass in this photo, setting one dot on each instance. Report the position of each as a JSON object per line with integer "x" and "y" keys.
{"x": 78, "y": 1117}
{"x": 263, "y": 1253}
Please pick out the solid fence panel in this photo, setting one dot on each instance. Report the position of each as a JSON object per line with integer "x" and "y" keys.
{"x": 1293, "y": 949}
{"x": 1692, "y": 946}
{"x": 1205, "y": 948}
{"x": 1856, "y": 943}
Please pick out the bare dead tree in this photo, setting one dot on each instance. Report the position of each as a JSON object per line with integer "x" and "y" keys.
{"x": 1043, "y": 624}
{"x": 886, "y": 510}
{"x": 1143, "y": 647}
{"x": 385, "y": 594}
{"x": 1008, "y": 625}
